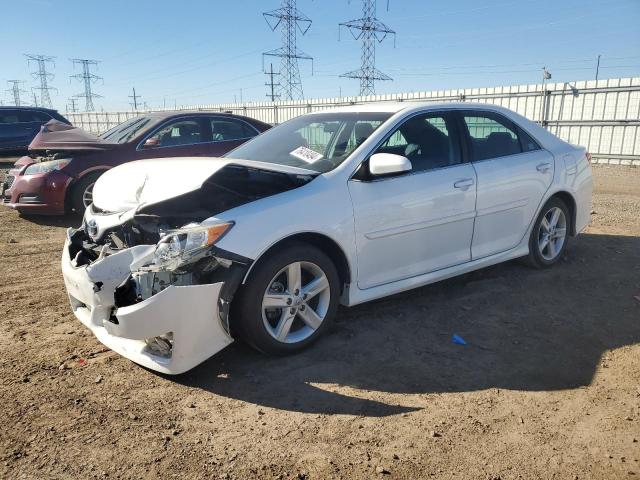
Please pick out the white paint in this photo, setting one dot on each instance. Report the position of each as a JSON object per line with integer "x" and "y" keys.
{"x": 197, "y": 335}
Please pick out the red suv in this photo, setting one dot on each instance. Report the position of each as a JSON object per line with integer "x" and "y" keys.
{"x": 64, "y": 162}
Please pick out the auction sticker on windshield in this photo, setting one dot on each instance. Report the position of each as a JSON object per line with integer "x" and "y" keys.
{"x": 306, "y": 154}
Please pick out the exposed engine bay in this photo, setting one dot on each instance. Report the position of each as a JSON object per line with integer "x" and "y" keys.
{"x": 231, "y": 186}
{"x": 160, "y": 224}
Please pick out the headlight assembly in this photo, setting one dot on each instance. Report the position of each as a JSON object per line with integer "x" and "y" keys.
{"x": 180, "y": 246}
{"x": 46, "y": 167}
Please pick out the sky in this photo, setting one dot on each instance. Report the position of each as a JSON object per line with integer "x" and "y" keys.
{"x": 191, "y": 52}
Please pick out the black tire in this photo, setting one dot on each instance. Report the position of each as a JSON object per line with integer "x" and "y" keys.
{"x": 247, "y": 319}
{"x": 77, "y": 193}
{"x": 536, "y": 258}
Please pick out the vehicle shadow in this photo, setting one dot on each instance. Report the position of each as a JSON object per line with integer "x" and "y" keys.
{"x": 531, "y": 330}
{"x": 67, "y": 220}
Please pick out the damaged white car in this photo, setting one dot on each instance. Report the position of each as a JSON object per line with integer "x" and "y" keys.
{"x": 177, "y": 257}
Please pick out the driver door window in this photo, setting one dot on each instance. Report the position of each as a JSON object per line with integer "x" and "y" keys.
{"x": 428, "y": 141}
{"x": 180, "y": 132}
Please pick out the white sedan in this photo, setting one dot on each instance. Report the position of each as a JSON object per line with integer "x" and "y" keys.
{"x": 177, "y": 257}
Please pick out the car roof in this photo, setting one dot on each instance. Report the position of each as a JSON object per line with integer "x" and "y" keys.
{"x": 177, "y": 113}
{"x": 35, "y": 109}
{"x": 395, "y": 106}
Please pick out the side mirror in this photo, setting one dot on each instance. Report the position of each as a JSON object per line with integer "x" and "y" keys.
{"x": 151, "y": 142}
{"x": 386, "y": 163}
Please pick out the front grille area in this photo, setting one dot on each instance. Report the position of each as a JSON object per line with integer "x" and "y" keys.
{"x": 9, "y": 180}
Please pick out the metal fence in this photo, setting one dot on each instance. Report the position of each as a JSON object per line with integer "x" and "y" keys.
{"x": 602, "y": 115}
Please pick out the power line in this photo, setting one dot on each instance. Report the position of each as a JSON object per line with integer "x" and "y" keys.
{"x": 44, "y": 77}
{"x": 87, "y": 78}
{"x": 273, "y": 95}
{"x": 15, "y": 90}
{"x": 368, "y": 29}
{"x": 290, "y": 20}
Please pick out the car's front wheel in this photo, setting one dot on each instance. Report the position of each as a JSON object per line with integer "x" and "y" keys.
{"x": 82, "y": 193}
{"x": 290, "y": 298}
{"x": 550, "y": 234}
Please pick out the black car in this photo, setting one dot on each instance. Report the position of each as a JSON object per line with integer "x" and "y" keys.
{"x": 18, "y": 126}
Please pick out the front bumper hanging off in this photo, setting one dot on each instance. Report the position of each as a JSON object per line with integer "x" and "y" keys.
{"x": 189, "y": 315}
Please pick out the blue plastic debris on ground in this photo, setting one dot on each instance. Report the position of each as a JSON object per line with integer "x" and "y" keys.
{"x": 457, "y": 339}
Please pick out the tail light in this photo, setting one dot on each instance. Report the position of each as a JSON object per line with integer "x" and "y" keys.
{"x": 588, "y": 155}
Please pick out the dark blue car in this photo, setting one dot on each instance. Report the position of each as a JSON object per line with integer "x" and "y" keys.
{"x": 18, "y": 126}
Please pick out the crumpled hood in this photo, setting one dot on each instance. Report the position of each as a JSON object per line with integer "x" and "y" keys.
{"x": 147, "y": 182}
{"x": 151, "y": 181}
{"x": 56, "y": 135}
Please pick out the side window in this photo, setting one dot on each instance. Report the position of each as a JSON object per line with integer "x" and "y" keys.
{"x": 494, "y": 136}
{"x": 8, "y": 116}
{"x": 428, "y": 141}
{"x": 528, "y": 144}
{"x": 224, "y": 130}
{"x": 179, "y": 132}
{"x": 33, "y": 117}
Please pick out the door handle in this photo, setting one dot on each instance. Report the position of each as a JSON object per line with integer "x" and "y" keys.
{"x": 543, "y": 167}
{"x": 463, "y": 184}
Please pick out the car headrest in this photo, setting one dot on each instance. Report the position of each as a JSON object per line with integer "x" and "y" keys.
{"x": 362, "y": 131}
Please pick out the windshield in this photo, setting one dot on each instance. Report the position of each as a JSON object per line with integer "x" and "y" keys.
{"x": 126, "y": 130}
{"x": 319, "y": 142}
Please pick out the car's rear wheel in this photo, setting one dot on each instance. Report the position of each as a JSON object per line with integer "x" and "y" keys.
{"x": 82, "y": 194}
{"x": 549, "y": 235}
{"x": 289, "y": 300}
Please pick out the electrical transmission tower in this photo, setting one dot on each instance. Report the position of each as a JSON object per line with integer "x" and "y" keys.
{"x": 43, "y": 76}
{"x": 368, "y": 29}
{"x": 73, "y": 108}
{"x": 290, "y": 20}
{"x": 15, "y": 90}
{"x": 271, "y": 84}
{"x": 136, "y": 99}
{"x": 88, "y": 78}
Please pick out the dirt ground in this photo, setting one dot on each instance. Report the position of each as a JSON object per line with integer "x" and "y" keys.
{"x": 548, "y": 385}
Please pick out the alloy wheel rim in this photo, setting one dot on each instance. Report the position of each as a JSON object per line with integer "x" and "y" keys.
{"x": 87, "y": 195}
{"x": 295, "y": 302}
{"x": 552, "y": 233}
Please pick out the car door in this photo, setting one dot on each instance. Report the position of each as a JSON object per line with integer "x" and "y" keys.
{"x": 421, "y": 221}
{"x": 513, "y": 175}
{"x": 179, "y": 137}
{"x": 13, "y": 132}
{"x": 226, "y": 134}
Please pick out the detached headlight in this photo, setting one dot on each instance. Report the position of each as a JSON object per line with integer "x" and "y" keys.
{"x": 180, "y": 246}
{"x": 46, "y": 167}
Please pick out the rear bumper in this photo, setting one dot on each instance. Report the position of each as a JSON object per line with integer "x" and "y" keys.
{"x": 189, "y": 313}
{"x": 40, "y": 194}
